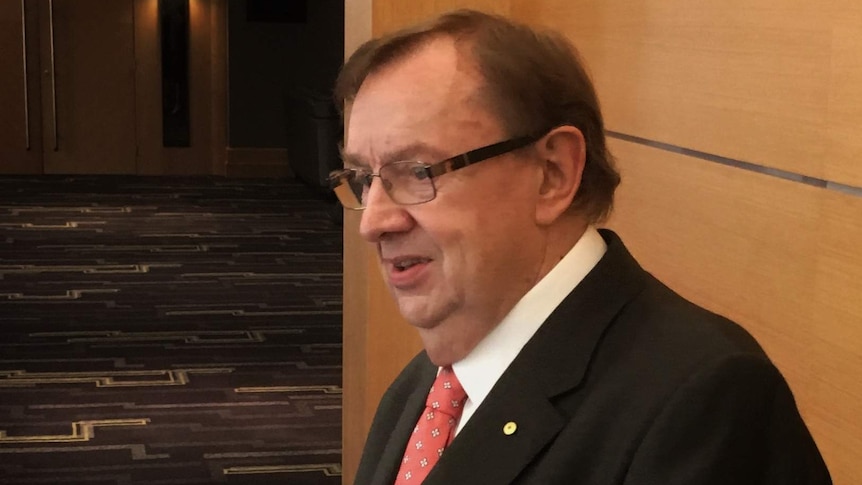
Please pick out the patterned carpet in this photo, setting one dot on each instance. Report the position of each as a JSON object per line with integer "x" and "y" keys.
{"x": 168, "y": 331}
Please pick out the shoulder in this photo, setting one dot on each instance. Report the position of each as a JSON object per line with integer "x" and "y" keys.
{"x": 663, "y": 349}
{"x": 660, "y": 318}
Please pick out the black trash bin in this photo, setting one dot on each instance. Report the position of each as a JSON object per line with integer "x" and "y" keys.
{"x": 314, "y": 131}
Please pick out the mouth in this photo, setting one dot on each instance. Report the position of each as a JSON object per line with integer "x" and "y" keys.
{"x": 404, "y": 264}
{"x": 407, "y": 272}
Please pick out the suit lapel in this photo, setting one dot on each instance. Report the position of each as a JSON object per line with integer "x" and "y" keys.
{"x": 484, "y": 453}
{"x": 553, "y": 362}
{"x": 390, "y": 459}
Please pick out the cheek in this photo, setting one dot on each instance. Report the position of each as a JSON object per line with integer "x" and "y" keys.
{"x": 476, "y": 255}
{"x": 484, "y": 232}
{"x": 461, "y": 253}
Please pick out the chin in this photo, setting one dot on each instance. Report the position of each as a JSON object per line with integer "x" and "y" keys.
{"x": 419, "y": 320}
{"x": 417, "y": 312}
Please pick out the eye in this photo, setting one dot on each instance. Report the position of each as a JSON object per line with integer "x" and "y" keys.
{"x": 363, "y": 177}
{"x": 420, "y": 171}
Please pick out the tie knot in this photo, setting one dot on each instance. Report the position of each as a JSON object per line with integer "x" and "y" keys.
{"x": 447, "y": 395}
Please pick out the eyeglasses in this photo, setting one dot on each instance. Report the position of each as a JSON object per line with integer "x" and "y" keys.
{"x": 411, "y": 182}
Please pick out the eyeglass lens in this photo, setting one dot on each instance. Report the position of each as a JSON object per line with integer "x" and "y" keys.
{"x": 404, "y": 182}
{"x": 407, "y": 182}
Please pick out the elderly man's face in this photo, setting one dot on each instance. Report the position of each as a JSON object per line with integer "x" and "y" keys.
{"x": 457, "y": 264}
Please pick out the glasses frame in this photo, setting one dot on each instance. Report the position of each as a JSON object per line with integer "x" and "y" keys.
{"x": 338, "y": 178}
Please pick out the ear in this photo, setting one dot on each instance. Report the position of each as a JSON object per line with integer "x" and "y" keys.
{"x": 563, "y": 152}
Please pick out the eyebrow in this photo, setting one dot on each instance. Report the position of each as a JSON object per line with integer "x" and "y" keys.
{"x": 350, "y": 160}
{"x": 419, "y": 151}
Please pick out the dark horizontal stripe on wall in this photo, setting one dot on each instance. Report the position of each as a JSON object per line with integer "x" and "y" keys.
{"x": 731, "y": 162}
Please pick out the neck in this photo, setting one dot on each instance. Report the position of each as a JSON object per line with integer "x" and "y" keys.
{"x": 561, "y": 236}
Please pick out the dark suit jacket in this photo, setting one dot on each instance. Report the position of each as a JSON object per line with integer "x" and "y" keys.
{"x": 625, "y": 383}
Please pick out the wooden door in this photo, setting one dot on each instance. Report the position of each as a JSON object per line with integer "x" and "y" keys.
{"x": 88, "y": 86}
{"x": 20, "y": 130}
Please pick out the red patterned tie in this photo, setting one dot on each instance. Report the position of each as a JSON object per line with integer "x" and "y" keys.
{"x": 434, "y": 430}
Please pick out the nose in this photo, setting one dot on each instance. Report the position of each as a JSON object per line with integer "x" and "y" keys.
{"x": 382, "y": 216}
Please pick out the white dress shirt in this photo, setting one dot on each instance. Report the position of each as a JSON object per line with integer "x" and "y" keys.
{"x": 480, "y": 370}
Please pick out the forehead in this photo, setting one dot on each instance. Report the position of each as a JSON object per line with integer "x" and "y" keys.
{"x": 429, "y": 102}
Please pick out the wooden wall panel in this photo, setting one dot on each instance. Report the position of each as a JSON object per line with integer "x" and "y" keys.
{"x": 845, "y": 96}
{"x": 357, "y": 24}
{"x": 781, "y": 258}
{"x": 392, "y": 15}
{"x": 769, "y": 82}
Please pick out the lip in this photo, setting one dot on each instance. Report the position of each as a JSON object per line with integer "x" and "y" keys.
{"x": 406, "y": 279}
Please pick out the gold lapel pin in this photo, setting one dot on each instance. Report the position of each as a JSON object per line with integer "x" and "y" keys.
{"x": 510, "y": 428}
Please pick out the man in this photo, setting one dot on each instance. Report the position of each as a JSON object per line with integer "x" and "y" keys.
{"x": 476, "y": 150}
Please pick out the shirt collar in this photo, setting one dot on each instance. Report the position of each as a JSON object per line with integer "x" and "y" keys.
{"x": 483, "y": 366}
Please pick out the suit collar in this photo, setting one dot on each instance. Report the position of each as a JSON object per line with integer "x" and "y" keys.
{"x": 553, "y": 362}
{"x": 483, "y": 366}
{"x": 560, "y": 352}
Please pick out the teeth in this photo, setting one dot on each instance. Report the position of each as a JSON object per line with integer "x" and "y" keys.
{"x": 406, "y": 263}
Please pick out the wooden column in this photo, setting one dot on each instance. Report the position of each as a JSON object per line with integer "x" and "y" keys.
{"x": 377, "y": 341}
